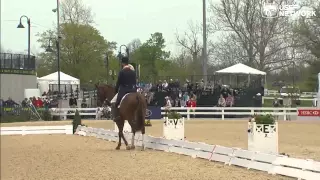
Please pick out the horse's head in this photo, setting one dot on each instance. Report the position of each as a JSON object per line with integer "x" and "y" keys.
{"x": 104, "y": 92}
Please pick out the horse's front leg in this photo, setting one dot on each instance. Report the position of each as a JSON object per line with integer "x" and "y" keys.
{"x": 120, "y": 133}
{"x": 125, "y": 141}
{"x": 119, "y": 142}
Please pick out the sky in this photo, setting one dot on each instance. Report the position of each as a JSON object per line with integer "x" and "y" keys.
{"x": 117, "y": 20}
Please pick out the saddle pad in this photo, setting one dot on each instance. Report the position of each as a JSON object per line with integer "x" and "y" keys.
{"x": 122, "y": 99}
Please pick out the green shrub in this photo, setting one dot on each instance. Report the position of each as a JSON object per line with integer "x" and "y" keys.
{"x": 174, "y": 115}
{"x": 46, "y": 115}
{"x": 147, "y": 122}
{"x": 76, "y": 121}
{"x": 264, "y": 119}
{"x": 23, "y": 116}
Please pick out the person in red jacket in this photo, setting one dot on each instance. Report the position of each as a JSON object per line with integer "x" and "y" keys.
{"x": 192, "y": 104}
{"x": 39, "y": 103}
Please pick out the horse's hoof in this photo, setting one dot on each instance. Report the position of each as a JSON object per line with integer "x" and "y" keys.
{"x": 142, "y": 148}
{"x": 132, "y": 147}
{"x": 128, "y": 148}
{"x": 118, "y": 148}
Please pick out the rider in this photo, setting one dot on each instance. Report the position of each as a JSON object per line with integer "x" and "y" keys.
{"x": 126, "y": 83}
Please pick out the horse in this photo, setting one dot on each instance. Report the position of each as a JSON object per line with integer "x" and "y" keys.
{"x": 133, "y": 107}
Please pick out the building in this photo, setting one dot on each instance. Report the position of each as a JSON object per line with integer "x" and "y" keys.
{"x": 17, "y": 73}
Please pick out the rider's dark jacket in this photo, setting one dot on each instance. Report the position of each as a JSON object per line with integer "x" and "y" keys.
{"x": 126, "y": 83}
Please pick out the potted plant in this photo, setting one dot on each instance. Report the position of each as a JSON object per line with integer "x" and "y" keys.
{"x": 263, "y": 134}
{"x": 173, "y": 127}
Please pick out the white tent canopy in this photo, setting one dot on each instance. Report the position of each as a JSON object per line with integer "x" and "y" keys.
{"x": 241, "y": 69}
{"x": 64, "y": 79}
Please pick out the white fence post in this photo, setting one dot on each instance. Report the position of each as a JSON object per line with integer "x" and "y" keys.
{"x": 285, "y": 115}
{"x": 252, "y": 112}
{"x": 222, "y": 114}
{"x": 188, "y": 113}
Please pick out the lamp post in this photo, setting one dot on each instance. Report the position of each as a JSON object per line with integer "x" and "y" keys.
{"x": 49, "y": 49}
{"x": 58, "y": 42}
{"x": 120, "y": 54}
{"x": 20, "y": 25}
{"x": 204, "y": 29}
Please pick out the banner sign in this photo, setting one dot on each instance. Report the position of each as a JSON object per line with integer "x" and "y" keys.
{"x": 17, "y": 71}
{"x": 153, "y": 112}
{"x": 309, "y": 112}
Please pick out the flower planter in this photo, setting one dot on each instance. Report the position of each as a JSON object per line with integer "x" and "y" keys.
{"x": 173, "y": 128}
{"x": 263, "y": 137}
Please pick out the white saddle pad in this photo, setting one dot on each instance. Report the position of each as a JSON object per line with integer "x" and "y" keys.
{"x": 122, "y": 99}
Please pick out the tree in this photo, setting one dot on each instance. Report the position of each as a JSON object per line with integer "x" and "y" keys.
{"x": 192, "y": 45}
{"x": 149, "y": 55}
{"x": 82, "y": 47}
{"x": 75, "y": 12}
{"x": 308, "y": 30}
{"x": 267, "y": 42}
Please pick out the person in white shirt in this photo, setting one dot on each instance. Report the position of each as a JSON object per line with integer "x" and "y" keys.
{"x": 164, "y": 84}
{"x": 168, "y": 105}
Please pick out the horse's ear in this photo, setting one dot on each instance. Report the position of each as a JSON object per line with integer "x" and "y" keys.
{"x": 96, "y": 85}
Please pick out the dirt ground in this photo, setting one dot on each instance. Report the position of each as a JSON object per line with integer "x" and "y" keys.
{"x": 75, "y": 157}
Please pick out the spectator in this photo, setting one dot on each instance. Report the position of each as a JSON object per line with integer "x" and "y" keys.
{"x": 73, "y": 102}
{"x": 224, "y": 92}
{"x": 168, "y": 102}
{"x": 39, "y": 103}
{"x": 10, "y": 102}
{"x": 185, "y": 99}
{"x": 84, "y": 103}
{"x": 164, "y": 84}
{"x": 192, "y": 103}
{"x": 221, "y": 101}
{"x": 229, "y": 101}
{"x": 46, "y": 103}
{"x": 34, "y": 101}
{"x": 276, "y": 102}
{"x": 24, "y": 103}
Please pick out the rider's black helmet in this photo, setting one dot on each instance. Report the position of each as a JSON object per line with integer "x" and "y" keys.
{"x": 125, "y": 60}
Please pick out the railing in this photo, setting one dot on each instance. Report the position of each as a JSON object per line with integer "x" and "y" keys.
{"x": 222, "y": 113}
{"x": 271, "y": 163}
{"x": 302, "y": 94}
{"x": 16, "y": 63}
{"x": 24, "y": 130}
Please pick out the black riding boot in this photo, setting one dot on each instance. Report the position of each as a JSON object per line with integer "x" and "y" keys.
{"x": 115, "y": 112}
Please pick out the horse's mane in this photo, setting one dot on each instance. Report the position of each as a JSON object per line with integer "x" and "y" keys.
{"x": 103, "y": 85}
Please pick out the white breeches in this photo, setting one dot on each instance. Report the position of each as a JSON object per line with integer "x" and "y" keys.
{"x": 114, "y": 99}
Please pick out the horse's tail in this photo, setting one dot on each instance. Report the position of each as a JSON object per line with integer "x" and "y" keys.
{"x": 140, "y": 112}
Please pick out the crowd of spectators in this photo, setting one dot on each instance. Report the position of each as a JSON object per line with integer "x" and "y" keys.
{"x": 185, "y": 95}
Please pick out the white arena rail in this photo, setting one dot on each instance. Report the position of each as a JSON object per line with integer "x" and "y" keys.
{"x": 250, "y": 111}
{"x": 24, "y": 130}
{"x": 302, "y": 94}
{"x": 64, "y": 112}
{"x": 246, "y": 111}
{"x": 271, "y": 163}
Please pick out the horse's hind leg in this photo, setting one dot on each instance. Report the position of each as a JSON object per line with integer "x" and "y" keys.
{"x": 143, "y": 131}
{"x": 132, "y": 140}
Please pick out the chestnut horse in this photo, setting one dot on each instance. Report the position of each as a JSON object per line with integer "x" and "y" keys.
{"x": 133, "y": 107}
